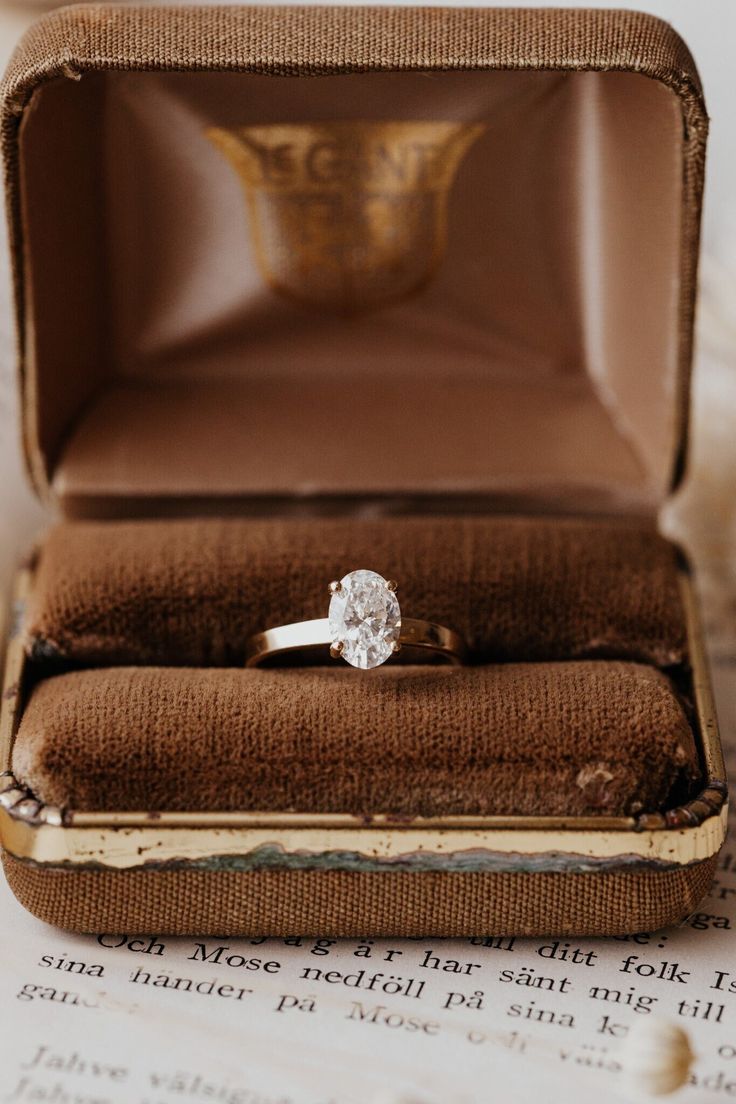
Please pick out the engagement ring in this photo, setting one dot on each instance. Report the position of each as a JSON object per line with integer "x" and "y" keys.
{"x": 364, "y": 627}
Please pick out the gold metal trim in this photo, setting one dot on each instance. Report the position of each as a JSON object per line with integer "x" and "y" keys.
{"x": 45, "y": 835}
{"x": 121, "y": 847}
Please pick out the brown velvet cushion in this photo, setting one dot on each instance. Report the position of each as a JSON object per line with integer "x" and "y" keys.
{"x": 191, "y": 592}
{"x": 567, "y": 738}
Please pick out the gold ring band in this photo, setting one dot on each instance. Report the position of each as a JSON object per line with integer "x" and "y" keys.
{"x": 304, "y": 635}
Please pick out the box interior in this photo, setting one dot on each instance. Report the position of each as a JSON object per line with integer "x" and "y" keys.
{"x": 575, "y": 699}
{"x": 200, "y": 341}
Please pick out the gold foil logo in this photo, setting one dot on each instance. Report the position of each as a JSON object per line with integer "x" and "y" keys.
{"x": 347, "y": 216}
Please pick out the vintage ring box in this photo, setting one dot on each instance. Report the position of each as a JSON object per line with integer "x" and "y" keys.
{"x": 415, "y": 285}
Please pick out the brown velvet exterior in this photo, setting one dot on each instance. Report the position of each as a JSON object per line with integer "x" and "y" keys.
{"x": 518, "y": 589}
{"x": 546, "y": 739}
{"x": 64, "y": 342}
{"x": 191, "y": 901}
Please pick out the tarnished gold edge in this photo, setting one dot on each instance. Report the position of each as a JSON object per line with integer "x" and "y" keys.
{"x": 42, "y": 834}
{"x": 124, "y": 848}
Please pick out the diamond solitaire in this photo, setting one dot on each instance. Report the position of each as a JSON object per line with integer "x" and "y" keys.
{"x": 364, "y": 627}
{"x": 365, "y": 619}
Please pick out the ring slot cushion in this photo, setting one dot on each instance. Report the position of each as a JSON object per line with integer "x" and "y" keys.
{"x": 547, "y": 739}
{"x": 516, "y": 588}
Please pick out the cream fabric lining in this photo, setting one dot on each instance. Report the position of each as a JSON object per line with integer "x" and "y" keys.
{"x": 540, "y": 360}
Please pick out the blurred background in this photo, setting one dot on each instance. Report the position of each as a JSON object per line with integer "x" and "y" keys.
{"x": 704, "y": 513}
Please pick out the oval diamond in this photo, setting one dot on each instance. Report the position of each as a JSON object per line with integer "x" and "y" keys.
{"x": 365, "y": 619}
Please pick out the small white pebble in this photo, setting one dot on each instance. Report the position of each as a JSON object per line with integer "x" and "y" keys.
{"x": 656, "y": 1057}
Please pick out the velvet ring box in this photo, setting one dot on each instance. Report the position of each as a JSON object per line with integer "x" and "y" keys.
{"x": 305, "y": 290}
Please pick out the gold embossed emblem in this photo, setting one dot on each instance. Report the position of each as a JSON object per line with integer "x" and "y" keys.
{"x": 347, "y": 216}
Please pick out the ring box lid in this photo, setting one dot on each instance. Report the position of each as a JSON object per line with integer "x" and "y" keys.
{"x": 267, "y": 256}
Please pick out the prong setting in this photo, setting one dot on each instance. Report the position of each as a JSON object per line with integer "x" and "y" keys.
{"x": 335, "y": 586}
{"x": 396, "y": 647}
{"x": 392, "y": 585}
{"x": 337, "y": 649}
{"x": 364, "y": 618}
